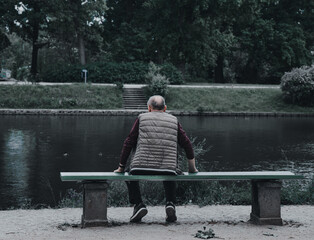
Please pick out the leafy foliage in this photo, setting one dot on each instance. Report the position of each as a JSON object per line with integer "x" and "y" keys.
{"x": 157, "y": 83}
{"x": 17, "y": 57}
{"x": 102, "y": 72}
{"x": 4, "y": 41}
{"x": 71, "y": 199}
{"x": 172, "y": 73}
{"x": 245, "y": 41}
{"x": 79, "y": 25}
{"x": 298, "y": 192}
{"x": 203, "y": 234}
{"x": 298, "y": 86}
{"x": 29, "y": 20}
{"x": 107, "y": 72}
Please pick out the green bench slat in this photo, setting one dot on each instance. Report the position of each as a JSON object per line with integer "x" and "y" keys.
{"x": 89, "y": 176}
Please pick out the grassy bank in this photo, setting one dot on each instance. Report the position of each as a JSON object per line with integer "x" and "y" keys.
{"x": 77, "y": 96}
{"x": 230, "y": 100}
{"x": 80, "y": 96}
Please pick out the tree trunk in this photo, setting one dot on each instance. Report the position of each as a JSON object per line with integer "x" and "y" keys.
{"x": 35, "y": 50}
{"x": 250, "y": 72}
{"x": 219, "y": 74}
{"x": 34, "y": 60}
{"x": 82, "y": 50}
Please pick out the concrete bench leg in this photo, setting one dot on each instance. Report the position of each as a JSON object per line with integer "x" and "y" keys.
{"x": 266, "y": 202}
{"x": 94, "y": 204}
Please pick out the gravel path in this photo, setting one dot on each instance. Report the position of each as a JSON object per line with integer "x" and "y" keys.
{"x": 227, "y": 222}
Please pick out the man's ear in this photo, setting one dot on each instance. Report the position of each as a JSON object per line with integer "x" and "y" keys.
{"x": 165, "y": 108}
{"x": 149, "y": 108}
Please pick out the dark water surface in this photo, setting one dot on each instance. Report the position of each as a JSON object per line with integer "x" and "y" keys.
{"x": 35, "y": 149}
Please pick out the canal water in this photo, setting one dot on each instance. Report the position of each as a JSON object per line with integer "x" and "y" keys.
{"x": 35, "y": 149}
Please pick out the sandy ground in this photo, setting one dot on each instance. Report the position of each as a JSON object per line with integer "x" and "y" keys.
{"x": 227, "y": 222}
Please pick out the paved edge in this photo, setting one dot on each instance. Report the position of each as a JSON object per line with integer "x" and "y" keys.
{"x": 122, "y": 112}
{"x": 139, "y": 85}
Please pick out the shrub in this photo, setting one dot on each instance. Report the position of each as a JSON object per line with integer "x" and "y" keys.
{"x": 103, "y": 72}
{"x": 298, "y": 86}
{"x": 111, "y": 72}
{"x": 23, "y": 73}
{"x": 62, "y": 73}
{"x": 157, "y": 83}
{"x": 172, "y": 73}
{"x": 119, "y": 86}
{"x": 108, "y": 72}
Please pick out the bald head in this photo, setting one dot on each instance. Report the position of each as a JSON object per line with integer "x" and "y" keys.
{"x": 156, "y": 102}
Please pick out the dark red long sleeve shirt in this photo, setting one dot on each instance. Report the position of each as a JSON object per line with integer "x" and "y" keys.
{"x": 131, "y": 141}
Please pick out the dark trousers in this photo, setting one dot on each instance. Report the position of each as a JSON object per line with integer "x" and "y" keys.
{"x": 135, "y": 193}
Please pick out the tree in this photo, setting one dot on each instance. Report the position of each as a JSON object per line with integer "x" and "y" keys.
{"x": 270, "y": 40}
{"x": 197, "y": 35}
{"x": 29, "y": 20}
{"x": 79, "y": 22}
{"x": 292, "y": 39}
{"x": 307, "y": 19}
{"x": 4, "y": 41}
{"x": 127, "y": 35}
{"x": 17, "y": 57}
{"x": 252, "y": 41}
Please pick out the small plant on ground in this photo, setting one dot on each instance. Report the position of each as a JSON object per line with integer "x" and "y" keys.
{"x": 119, "y": 85}
{"x": 72, "y": 199}
{"x": 203, "y": 234}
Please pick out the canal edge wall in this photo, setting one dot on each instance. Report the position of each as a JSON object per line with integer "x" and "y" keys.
{"x": 122, "y": 112}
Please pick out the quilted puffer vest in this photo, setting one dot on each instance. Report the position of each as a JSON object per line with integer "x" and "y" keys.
{"x": 156, "y": 148}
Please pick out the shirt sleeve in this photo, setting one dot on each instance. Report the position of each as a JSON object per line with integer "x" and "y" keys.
{"x": 185, "y": 142}
{"x": 129, "y": 143}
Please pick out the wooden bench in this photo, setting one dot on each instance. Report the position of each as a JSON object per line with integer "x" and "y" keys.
{"x": 266, "y": 188}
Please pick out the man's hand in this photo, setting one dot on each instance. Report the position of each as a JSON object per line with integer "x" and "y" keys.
{"x": 119, "y": 170}
{"x": 192, "y": 168}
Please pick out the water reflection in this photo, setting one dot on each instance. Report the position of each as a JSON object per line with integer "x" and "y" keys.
{"x": 239, "y": 144}
{"x": 18, "y": 146}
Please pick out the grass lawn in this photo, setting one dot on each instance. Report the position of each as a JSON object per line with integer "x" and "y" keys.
{"x": 81, "y": 96}
{"x": 230, "y": 100}
{"x": 77, "y": 96}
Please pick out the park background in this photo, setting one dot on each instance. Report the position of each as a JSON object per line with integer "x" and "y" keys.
{"x": 243, "y": 41}
{"x": 249, "y": 57}
{"x": 245, "y": 57}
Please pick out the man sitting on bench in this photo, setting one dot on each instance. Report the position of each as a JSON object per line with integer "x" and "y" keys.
{"x": 155, "y": 137}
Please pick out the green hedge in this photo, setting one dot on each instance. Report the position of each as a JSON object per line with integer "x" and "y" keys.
{"x": 109, "y": 72}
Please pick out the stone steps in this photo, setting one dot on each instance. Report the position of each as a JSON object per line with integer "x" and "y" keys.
{"x": 134, "y": 98}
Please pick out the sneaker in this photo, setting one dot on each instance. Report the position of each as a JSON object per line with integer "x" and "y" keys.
{"x": 171, "y": 212}
{"x": 139, "y": 212}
